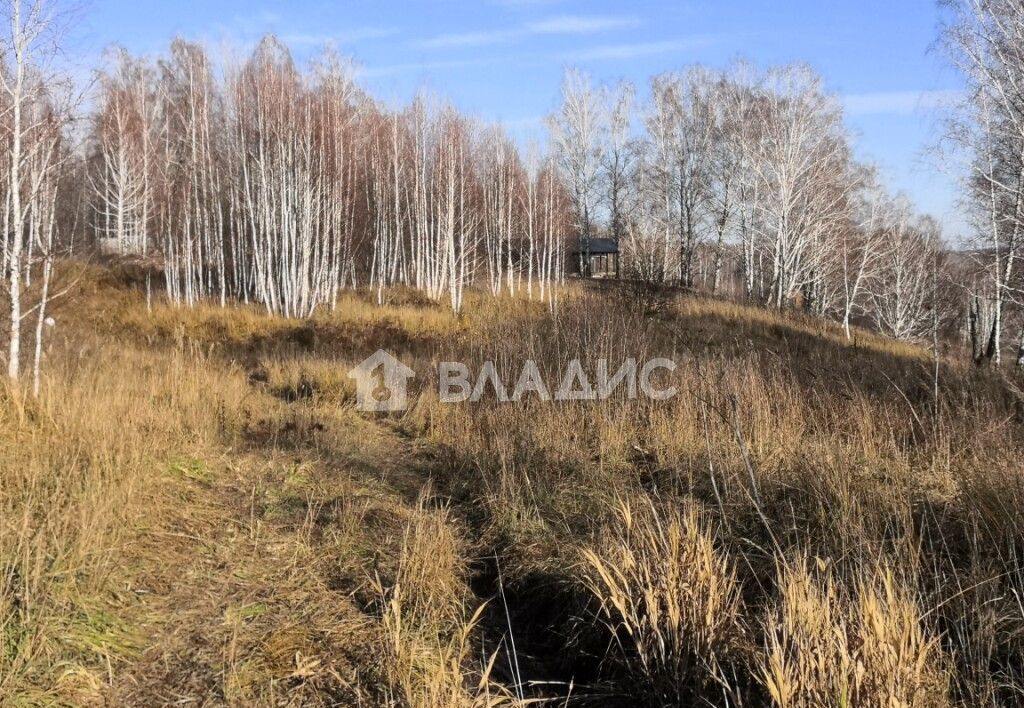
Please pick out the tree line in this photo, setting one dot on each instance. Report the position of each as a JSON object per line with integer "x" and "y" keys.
{"x": 743, "y": 182}
{"x": 265, "y": 182}
{"x": 281, "y": 187}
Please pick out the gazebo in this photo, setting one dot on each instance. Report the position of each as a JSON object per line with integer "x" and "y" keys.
{"x": 603, "y": 261}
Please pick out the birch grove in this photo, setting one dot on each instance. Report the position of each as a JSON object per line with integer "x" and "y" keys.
{"x": 282, "y": 184}
{"x": 281, "y": 187}
{"x": 750, "y": 172}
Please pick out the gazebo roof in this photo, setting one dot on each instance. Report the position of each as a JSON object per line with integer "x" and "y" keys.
{"x": 598, "y": 246}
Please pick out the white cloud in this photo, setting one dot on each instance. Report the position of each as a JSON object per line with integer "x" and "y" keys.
{"x": 632, "y": 51}
{"x": 576, "y": 24}
{"x": 898, "y": 102}
{"x": 358, "y": 34}
{"x": 560, "y": 24}
{"x": 466, "y": 39}
{"x": 391, "y": 69}
{"x": 244, "y": 31}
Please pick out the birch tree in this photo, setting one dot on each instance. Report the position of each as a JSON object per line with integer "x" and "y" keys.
{"x": 986, "y": 41}
{"x": 803, "y": 178}
{"x": 124, "y": 151}
{"x": 618, "y": 156}
{"x": 31, "y": 132}
{"x": 578, "y": 130}
{"x": 860, "y": 250}
{"x": 902, "y": 297}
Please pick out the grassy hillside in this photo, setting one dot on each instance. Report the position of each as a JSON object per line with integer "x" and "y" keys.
{"x": 193, "y": 512}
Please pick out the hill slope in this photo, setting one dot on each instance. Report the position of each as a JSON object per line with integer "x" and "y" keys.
{"x": 194, "y": 511}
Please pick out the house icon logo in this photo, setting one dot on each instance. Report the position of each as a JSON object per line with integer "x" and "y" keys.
{"x": 381, "y": 382}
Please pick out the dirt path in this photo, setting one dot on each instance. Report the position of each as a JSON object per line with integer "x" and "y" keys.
{"x": 252, "y": 579}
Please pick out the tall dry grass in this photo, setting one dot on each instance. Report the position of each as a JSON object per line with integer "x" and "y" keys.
{"x": 655, "y": 531}
{"x": 828, "y": 644}
{"x": 428, "y": 622}
{"x": 670, "y": 599}
{"x": 794, "y": 441}
{"x": 78, "y": 466}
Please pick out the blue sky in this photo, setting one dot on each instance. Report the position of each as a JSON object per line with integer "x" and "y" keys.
{"x": 503, "y": 59}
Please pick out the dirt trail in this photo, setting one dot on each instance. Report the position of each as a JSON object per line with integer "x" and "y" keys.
{"x": 252, "y": 585}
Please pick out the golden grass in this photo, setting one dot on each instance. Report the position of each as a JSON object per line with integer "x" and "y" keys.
{"x": 759, "y": 320}
{"x": 76, "y": 465}
{"x": 829, "y": 646}
{"x": 795, "y": 441}
{"x": 428, "y": 624}
{"x": 669, "y": 596}
{"x": 193, "y": 508}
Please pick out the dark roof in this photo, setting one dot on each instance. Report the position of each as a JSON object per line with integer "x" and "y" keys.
{"x": 598, "y": 246}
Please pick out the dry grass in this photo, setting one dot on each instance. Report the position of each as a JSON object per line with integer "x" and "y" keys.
{"x": 193, "y": 510}
{"x": 77, "y": 466}
{"x": 426, "y": 619}
{"x": 670, "y": 599}
{"x": 794, "y": 441}
{"x": 829, "y": 646}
